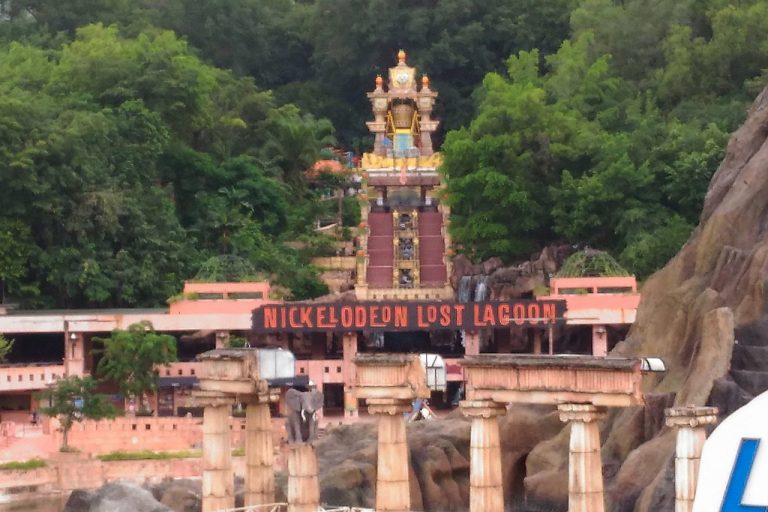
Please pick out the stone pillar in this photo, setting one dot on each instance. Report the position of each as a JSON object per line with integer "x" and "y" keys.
{"x": 486, "y": 493}
{"x": 393, "y": 492}
{"x": 471, "y": 343}
{"x": 599, "y": 341}
{"x": 349, "y": 348}
{"x": 218, "y": 478}
{"x": 259, "y": 455}
{"x": 585, "y": 467}
{"x": 690, "y": 423}
{"x": 303, "y": 486}
{"x": 74, "y": 354}
{"x": 222, "y": 339}
{"x": 536, "y": 341}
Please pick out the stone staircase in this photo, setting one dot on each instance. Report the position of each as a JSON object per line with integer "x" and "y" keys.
{"x": 748, "y": 376}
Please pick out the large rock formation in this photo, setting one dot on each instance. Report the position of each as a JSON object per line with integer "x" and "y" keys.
{"x": 115, "y": 497}
{"x": 439, "y": 455}
{"x": 505, "y": 282}
{"x": 692, "y": 313}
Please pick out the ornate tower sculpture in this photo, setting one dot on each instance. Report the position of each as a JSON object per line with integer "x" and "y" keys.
{"x": 403, "y": 248}
{"x": 402, "y": 124}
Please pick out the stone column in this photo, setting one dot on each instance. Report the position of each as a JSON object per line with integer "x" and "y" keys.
{"x": 303, "y": 486}
{"x": 259, "y": 455}
{"x": 222, "y": 339}
{"x": 349, "y": 348}
{"x": 486, "y": 493}
{"x": 537, "y": 341}
{"x": 585, "y": 467}
{"x": 218, "y": 478}
{"x": 393, "y": 493}
{"x": 471, "y": 343}
{"x": 690, "y": 423}
{"x": 599, "y": 341}
{"x": 74, "y": 354}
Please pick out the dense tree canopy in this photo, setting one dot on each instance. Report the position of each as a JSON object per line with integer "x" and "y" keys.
{"x": 612, "y": 140}
{"x": 127, "y": 161}
{"x": 140, "y": 139}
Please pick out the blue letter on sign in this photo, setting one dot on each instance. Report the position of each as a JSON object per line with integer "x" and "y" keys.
{"x": 734, "y": 493}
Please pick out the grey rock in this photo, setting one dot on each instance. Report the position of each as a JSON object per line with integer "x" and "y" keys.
{"x": 115, "y": 497}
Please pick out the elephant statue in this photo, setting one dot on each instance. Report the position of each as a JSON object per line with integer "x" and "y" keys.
{"x": 301, "y": 423}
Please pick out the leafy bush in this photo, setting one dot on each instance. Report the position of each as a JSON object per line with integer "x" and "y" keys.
{"x": 23, "y": 465}
{"x": 149, "y": 455}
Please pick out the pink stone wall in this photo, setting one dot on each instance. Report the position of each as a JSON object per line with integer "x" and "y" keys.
{"x": 84, "y": 473}
{"x": 44, "y": 478}
{"x": 133, "y": 434}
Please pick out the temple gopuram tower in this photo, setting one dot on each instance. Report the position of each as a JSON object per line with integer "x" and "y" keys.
{"x": 404, "y": 242}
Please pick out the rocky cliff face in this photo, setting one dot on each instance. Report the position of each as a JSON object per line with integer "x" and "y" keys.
{"x": 705, "y": 315}
{"x": 439, "y": 457}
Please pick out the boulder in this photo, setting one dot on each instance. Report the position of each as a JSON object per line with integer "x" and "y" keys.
{"x": 115, "y": 497}
{"x": 179, "y": 494}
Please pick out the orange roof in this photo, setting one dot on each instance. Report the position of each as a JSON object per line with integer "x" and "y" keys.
{"x": 321, "y": 166}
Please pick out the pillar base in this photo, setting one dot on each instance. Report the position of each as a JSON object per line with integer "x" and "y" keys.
{"x": 486, "y": 492}
{"x": 259, "y": 455}
{"x": 585, "y": 466}
{"x": 218, "y": 486}
{"x": 393, "y": 491}
{"x": 303, "y": 485}
{"x": 689, "y": 422}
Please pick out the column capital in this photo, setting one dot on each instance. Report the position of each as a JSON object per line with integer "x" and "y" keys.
{"x": 585, "y": 413}
{"x": 387, "y": 406}
{"x": 690, "y": 416}
{"x": 270, "y": 396}
{"x": 482, "y": 408}
{"x": 212, "y": 398}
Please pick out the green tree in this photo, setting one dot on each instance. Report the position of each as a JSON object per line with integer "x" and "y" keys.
{"x": 6, "y": 346}
{"x": 74, "y": 399}
{"x": 130, "y": 358}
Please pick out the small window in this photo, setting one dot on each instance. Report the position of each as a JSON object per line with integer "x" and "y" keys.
{"x": 147, "y": 426}
{"x": 174, "y": 426}
{"x": 246, "y": 295}
{"x": 133, "y": 427}
{"x": 8, "y": 378}
{"x": 20, "y": 377}
{"x": 326, "y": 369}
{"x": 42, "y": 376}
{"x": 301, "y": 370}
{"x": 31, "y": 377}
{"x": 180, "y": 371}
{"x": 338, "y": 369}
{"x": 192, "y": 371}
{"x": 167, "y": 373}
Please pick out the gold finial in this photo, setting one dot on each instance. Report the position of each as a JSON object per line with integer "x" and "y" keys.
{"x": 401, "y": 56}
{"x": 425, "y": 81}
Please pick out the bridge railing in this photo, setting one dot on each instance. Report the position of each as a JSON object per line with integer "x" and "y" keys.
{"x": 283, "y": 507}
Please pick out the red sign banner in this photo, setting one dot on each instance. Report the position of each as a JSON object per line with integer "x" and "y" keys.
{"x": 405, "y": 316}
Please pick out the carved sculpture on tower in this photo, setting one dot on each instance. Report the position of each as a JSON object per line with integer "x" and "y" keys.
{"x": 402, "y": 124}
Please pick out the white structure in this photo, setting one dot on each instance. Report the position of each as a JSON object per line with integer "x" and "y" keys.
{"x": 435, "y": 367}
{"x": 734, "y": 463}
